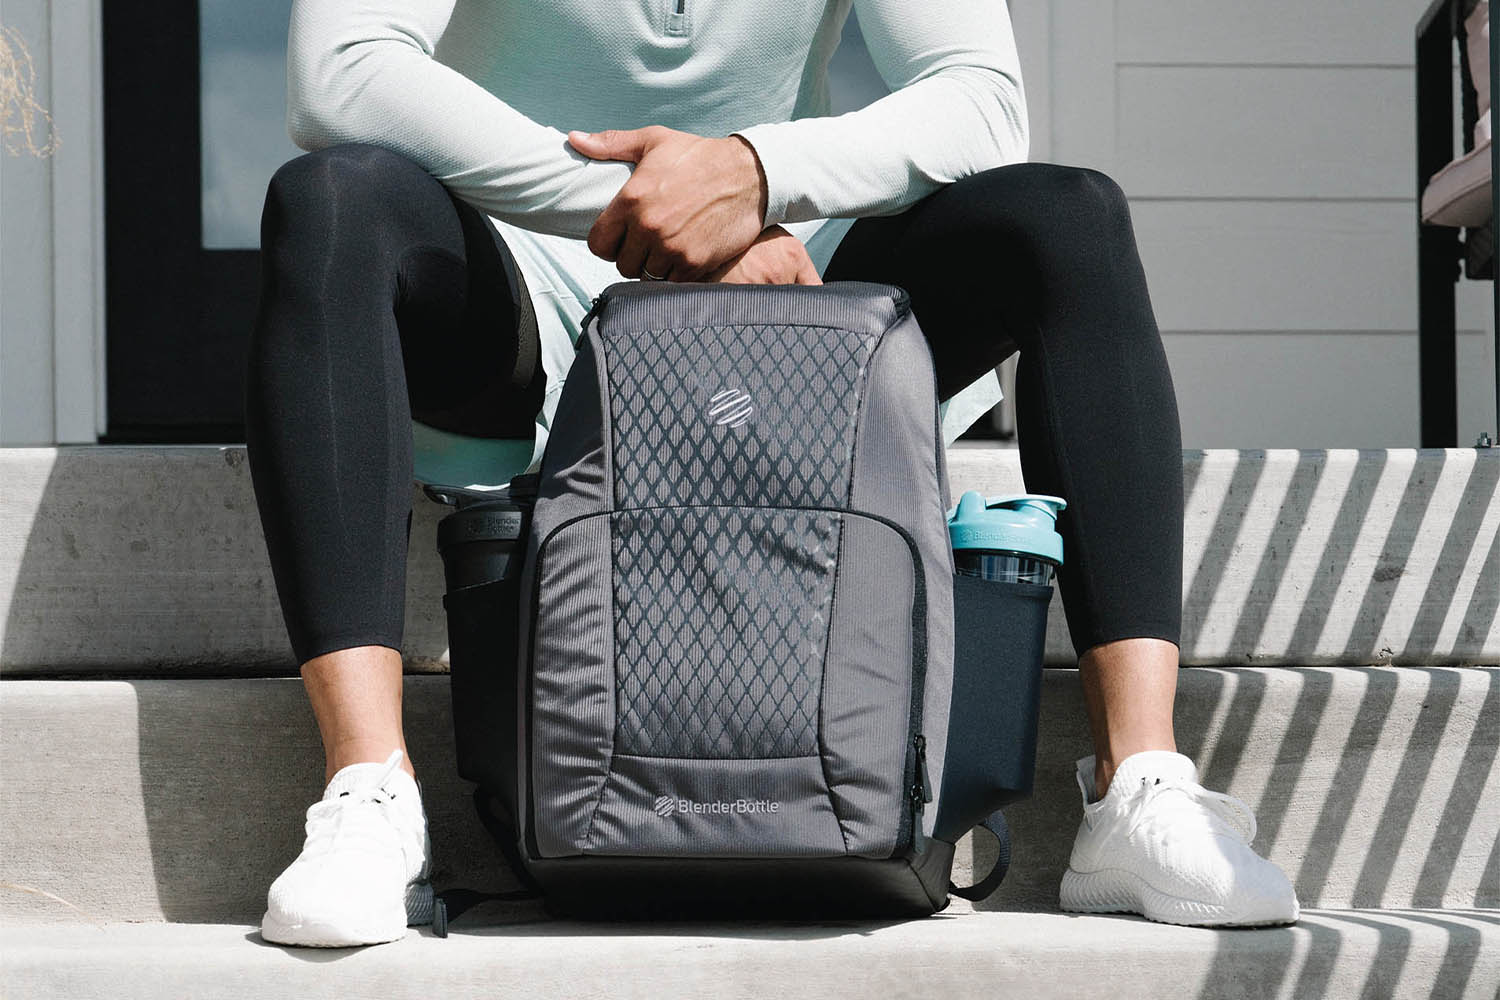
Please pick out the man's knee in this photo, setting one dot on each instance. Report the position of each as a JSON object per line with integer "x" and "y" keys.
{"x": 1051, "y": 196}
{"x": 319, "y": 187}
{"x": 1090, "y": 193}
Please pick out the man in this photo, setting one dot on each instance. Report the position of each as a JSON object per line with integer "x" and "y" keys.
{"x": 698, "y": 146}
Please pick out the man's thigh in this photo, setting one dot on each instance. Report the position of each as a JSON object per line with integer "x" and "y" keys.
{"x": 971, "y": 285}
{"x": 476, "y": 369}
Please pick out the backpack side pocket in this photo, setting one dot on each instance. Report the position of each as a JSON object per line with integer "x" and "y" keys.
{"x": 482, "y": 673}
{"x": 999, "y": 635}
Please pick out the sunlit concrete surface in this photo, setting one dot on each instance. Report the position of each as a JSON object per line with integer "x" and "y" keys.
{"x": 151, "y": 560}
{"x": 181, "y": 799}
{"x": 1329, "y": 953}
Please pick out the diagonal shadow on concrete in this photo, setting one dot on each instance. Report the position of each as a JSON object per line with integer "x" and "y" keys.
{"x": 1463, "y": 531}
{"x": 1274, "y": 561}
{"x": 1406, "y": 791}
{"x": 1333, "y": 818}
{"x": 1479, "y": 618}
{"x": 1295, "y": 747}
{"x": 1402, "y": 535}
{"x": 1461, "y": 956}
{"x": 1323, "y": 591}
{"x": 1220, "y": 766}
{"x": 1464, "y": 802}
{"x": 1488, "y": 892}
{"x": 1198, "y": 595}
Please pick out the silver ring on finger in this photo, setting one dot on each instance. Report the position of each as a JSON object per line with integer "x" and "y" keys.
{"x": 649, "y": 276}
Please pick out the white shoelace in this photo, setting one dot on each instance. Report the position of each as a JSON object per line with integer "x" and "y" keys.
{"x": 1189, "y": 802}
{"x": 326, "y": 820}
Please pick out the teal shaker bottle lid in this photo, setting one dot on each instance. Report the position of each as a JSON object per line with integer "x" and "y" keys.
{"x": 1023, "y": 523}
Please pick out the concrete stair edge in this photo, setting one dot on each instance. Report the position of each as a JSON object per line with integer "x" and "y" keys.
{"x": 1291, "y": 557}
{"x": 181, "y": 800}
{"x": 1329, "y": 953}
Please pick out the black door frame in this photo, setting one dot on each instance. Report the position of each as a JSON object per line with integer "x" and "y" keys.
{"x": 177, "y": 315}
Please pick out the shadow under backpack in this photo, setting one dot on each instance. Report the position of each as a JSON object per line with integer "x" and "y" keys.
{"x": 720, "y": 675}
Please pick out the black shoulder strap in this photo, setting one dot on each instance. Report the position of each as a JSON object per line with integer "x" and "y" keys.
{"x": 995, "y": 823}
{"x": 450, "y": 904}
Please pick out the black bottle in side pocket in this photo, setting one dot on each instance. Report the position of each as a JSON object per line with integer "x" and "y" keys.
{"x": 1000, "y": 631}
{"x": 1005, "y": 550}
{"x": 482, "y": 544}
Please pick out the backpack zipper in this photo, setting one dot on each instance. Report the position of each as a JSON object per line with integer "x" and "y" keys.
{"x": 921, "y": 793}
{"x": 583, "y": 324}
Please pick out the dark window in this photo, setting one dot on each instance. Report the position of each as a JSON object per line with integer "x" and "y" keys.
{"x": 194, "y": 128}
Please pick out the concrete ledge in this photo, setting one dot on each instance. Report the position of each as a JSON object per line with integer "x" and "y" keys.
{"x": 182, "y": 799}
{"x": 1329, "y": 953}
{"x": 150, "y": 560}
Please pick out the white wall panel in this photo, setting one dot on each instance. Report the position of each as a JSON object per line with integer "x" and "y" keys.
{"x": 1267, "y": 149}
{"x": 1032, "y": 24}
{"x": 1257, "y": 132}
{"x": 51, "y": 233}
{"x": 1296, "y": 265}
{"x": 78, "y": 359}
{"x": 1268, "y": 32}
{"x": 1083, "y": 82}
{"x": 26, "y": 258}
{"x": 1256, "y": 389}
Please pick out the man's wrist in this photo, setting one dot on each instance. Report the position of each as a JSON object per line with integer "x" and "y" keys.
{"x": 755, "y": 166}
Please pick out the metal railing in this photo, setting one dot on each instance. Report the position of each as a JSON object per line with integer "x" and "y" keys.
{"x": 1439, "y": 248}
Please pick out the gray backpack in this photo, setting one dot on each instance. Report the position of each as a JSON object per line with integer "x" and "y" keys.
{"x": 735, "y": 620}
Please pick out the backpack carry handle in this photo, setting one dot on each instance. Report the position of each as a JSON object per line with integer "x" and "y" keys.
{"x": 985, "y": 887}
{"x": 451, "y": 904}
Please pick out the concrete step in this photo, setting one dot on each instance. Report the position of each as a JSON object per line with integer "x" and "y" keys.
{"x": 1336, "y": 954}
{"x": 181, "y": 800}
{"x": 151, "y": 561}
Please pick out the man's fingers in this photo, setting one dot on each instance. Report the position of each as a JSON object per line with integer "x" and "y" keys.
{"x": 613, "y": 144}
{"x": 659, "y": 271}
{"x": 632, "y": 254}
{"x": 608, "y": 232}
{"x": 807, "y": 274}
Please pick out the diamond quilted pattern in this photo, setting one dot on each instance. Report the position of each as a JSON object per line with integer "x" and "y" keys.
{"x": 750, "y": 415}
{"x": 721, "y": 624}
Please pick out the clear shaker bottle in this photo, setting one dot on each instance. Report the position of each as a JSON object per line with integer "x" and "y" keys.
{"x": 1010, "y": 538}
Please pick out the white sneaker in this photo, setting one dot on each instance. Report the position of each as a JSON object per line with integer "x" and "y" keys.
{"x": 1161, "y": 845}
{"x": 362, "y": 875}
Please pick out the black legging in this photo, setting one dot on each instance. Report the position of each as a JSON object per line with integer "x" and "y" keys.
{"x": 383, "y": 296}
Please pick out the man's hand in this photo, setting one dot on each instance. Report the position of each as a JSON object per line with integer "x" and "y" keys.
{"x": 775, "y": 258}
{"x": 691, "y": 204}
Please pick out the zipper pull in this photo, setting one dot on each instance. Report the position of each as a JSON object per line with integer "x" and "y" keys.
{"x": 922, "y": 774}
{"x": 921, "y": 794}
{"x": 583, "y": 324}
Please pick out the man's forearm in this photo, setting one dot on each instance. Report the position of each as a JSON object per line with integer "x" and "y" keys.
{"x": 957, "y": 107}
{"x": 365, "y": 73}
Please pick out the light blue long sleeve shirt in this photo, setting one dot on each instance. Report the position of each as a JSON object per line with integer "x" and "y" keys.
{"x": 482, "y": 93}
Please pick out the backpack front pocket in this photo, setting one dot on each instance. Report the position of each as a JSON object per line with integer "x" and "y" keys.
{"x": 721, "y": 630}
{"x": 737, "y": 700}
